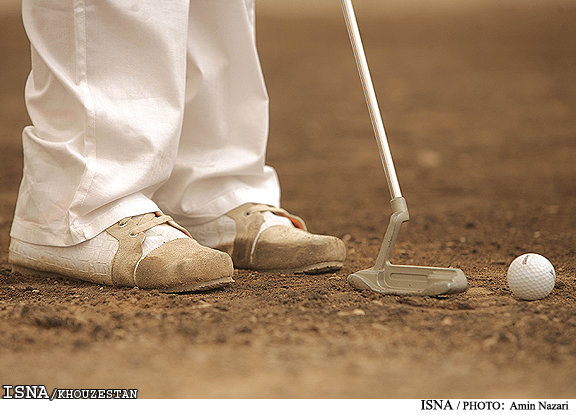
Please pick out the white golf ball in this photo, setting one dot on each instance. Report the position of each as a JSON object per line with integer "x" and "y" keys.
{"x": 531, "y": 277}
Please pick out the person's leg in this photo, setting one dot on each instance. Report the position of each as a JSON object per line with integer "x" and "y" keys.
{"x": 220, "y": 168}
{"x": 106, "y": 99}
{"x": 221, "y": 158}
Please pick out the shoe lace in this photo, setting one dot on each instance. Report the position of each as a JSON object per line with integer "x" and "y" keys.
{"x": 264, "y": 208}
{"x": 259, "y": 208}
{"x": 145, "y": 222}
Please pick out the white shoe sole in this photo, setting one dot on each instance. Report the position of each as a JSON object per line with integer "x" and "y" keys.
{"x": 204, "y": 286}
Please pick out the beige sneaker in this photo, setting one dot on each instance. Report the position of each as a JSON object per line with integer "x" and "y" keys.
{"x": 262, "y": 237}
{"x": 148, "y": 251}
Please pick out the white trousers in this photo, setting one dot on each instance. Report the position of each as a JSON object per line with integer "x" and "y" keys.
{"x": 140, "y": 105}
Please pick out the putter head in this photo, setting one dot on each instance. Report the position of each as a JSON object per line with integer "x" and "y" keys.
{"x": 410, "y": 280}
{"x": 386, "y": 278}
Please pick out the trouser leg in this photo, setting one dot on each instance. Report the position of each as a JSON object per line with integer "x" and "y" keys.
{"x": 221, "y": 158}
{"x": 106, "y": 99}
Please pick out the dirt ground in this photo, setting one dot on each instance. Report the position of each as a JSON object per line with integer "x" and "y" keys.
{"x": 479, "y": 107}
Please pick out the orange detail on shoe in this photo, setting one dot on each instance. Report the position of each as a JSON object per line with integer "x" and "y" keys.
{"x": 294, "y": 221}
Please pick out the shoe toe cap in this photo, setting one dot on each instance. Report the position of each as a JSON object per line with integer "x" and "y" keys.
{"x": 285, "y": 248}
{"x": 184, "y": 265}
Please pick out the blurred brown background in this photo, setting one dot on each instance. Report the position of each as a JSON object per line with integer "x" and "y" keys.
{"x": 478, "y": 98}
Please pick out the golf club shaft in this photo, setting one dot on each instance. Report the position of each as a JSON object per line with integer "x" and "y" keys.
{"x": 371, "y": 101}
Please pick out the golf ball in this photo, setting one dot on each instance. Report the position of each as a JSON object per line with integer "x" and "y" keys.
{"x": 531, "y": 277}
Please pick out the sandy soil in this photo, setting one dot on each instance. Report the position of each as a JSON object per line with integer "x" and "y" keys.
{"x": 480, "y": 112}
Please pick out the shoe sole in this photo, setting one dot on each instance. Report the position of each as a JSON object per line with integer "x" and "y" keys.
{"x": 204, "y": 286}
{"x": 320, "y": 268}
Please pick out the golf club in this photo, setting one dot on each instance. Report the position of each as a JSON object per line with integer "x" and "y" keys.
{"x": 385, "y": 277}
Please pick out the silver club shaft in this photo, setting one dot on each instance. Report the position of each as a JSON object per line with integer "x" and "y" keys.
{"x": 371, "y": 101}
